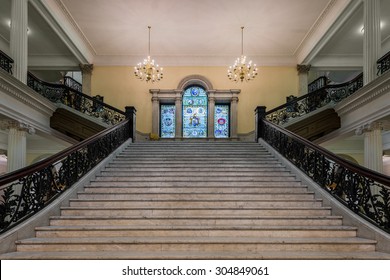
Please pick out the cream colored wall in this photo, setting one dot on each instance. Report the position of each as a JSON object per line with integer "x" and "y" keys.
{"x": 120, "y": 88}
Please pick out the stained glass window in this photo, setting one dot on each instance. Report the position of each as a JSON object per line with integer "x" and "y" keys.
{"x": 167, "y": 121}
{"x": 195, "y": 113}
{"x": 221, "y": 121}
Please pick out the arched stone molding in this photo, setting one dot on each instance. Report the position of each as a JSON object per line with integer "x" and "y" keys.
{"x": 175, "y": 97}
{"x": 195, "y": 80}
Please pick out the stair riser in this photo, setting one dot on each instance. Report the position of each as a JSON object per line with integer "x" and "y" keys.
{"x": 189, "y": 204}
{"x": 195, "y": 212}
{"x": 194, "y": 222}
{"x": 199, "y": 174}
{"x": 199, "y": 247}
{"x": 307, "y": 233}
{"x": 200, "y": 180}
{"x": 242, "y": 190}
{"x": 200, "y": 168}
{"x": 209, "y": 197}
{"x": 217, "y": 166}
{"x": 108, "y": 183}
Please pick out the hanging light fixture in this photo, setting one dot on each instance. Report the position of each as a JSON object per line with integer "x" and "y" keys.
{"x": 148, "y": 70}
{"x": 241, "y": 70}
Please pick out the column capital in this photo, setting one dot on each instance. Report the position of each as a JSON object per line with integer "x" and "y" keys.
{"x": 303, "y": 69}
{"x": 18, "y": 125}
{"x": 371, "y": 126}
{"x": 86, "y": 68}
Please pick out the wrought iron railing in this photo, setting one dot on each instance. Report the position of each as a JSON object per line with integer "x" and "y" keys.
{"x": 59, "y": 93}
{"x": 383, "y": 64}
{"x": 6, "y": 62}
{"x": 364, "y": 191}
{"x": 28, "y": 190}
{"x": 73, "y": 84}
{"x": 329, "y": 94}
{"x": 317, "y": 84}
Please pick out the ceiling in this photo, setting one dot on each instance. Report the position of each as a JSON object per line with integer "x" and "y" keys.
{"x": 190, "y": 32}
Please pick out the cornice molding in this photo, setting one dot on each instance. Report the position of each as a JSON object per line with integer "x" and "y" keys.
{"x": 336, "y": 13}
{"x": 367, "y": 94}
{"x": 22, "y": 93}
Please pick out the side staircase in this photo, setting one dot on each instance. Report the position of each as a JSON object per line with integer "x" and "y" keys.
{"x": 195, "y": 200}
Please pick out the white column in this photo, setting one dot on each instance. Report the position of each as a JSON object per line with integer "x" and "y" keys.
{"x": 234, "y": 114}
{"x": 155, "y": 112}
{"x": 372, "y": 39}
{"x": 16, "y": 148}
{"x": 86, "y": 71}
{"x": 373, "y": 147}
{"x": 303, "y": 71}
{"x": 18, "y": 40}
{"x": 210, "y": 120}
{"x": 178, "y": 114}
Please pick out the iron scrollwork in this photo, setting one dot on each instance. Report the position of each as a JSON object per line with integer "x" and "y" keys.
{"x": 365, "y": 192}
{"x": 383, "y": 64}
{"x": 71, "y": 97}
{"x": 43, "y": 182}
{"x": 322, "y": 95}
{"x": 6, "y": 62}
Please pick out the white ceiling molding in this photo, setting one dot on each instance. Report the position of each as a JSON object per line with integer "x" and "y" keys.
{"x": 53, "y": 62}
{"x": 57, "y": 16}
{"x": 330, "y": 21}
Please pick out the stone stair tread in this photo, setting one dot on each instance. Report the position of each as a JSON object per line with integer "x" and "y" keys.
{"x": 180, "y": 255}
{"x": 194, "y": 208}
{"x": 195, "y": 239}
{"x": 198, "y": 227}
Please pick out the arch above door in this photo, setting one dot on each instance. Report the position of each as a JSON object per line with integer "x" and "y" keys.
{"x": 172, "y": 100}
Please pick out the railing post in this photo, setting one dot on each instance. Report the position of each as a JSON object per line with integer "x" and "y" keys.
{"x": 259, "y": 116}
{"x": 130, "y": 114}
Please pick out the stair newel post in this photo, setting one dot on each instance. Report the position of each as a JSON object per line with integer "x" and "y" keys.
{"x": 130, "y": 114}
{"x": 259, "y": 116}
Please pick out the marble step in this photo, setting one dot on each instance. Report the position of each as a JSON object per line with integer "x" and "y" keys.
{"x": 197, "y": 196}
{"x": 183, "y": 212}
{"x": 198, "y": 203}
{"x": 193, "y": 168}
{"x": 200, "y": 179}
{"x": 197, "y": 220}
{"x": 227, "y": 231}
{"x": 267, "y": 182}
{"x": 199, "y": 174}
{"x": 202, "y": 189}
{"x": 195, "y": 243}
{"x": 196, "y": 255}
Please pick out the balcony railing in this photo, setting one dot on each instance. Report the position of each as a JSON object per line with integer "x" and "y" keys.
{"x": 320, "y": 97}
{"x": 28, "y": 190}
{"x": 363, "y": 191}
{"x": 73, "y": 84}
{"x": 383, "y": 64}
{"x": 6, "y": 62}
{"x": 71, "y": 97}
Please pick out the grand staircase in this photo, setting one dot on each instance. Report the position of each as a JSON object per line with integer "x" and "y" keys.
{"x": 195, "y": 200}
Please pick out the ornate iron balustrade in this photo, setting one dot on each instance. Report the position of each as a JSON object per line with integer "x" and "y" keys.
{"x": 365, "y": 192}
{"x": 317, "y": 84}
{"x": 28, "y": 190}
{"x": 6, "y": 62}
{"x": 329, "y": 94}
{"x": 383, "y": 64}
{"x": 73, "y": 84}
{"x": 59, "y": 93}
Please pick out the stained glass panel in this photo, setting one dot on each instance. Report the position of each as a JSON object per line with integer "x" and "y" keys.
{"x": 195, "y": 113}
{"x": 167, "y": 121}
{"x": 221, "y": 121}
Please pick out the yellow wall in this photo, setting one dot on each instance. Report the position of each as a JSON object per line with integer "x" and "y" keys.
{"x": 120, "y": 88}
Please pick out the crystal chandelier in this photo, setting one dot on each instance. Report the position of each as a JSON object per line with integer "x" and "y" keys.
{"x": 148, "y": 70}
{"x": 242, "y": 70}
